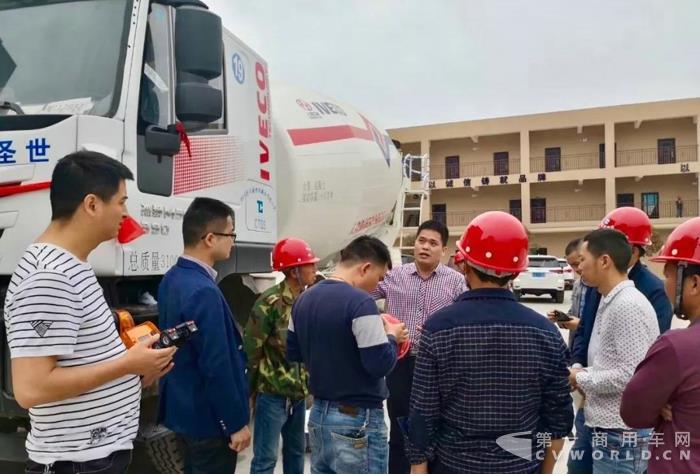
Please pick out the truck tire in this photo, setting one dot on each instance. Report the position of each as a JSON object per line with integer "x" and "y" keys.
{"x": 163, "y": 451}
{"x": 518, "y": 294}
{"x": 559, "y": 297}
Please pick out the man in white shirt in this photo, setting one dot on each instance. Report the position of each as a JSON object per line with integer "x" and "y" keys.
{"x": 624, "y": 330}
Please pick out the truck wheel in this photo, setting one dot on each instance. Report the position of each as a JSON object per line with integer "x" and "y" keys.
{"x": 163, "y": 451}
{"x": 518, "y": 294}
{"x": 559, "y": 297}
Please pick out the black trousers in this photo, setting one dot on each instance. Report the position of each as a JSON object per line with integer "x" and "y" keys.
{"x": 399, "y": 382}
{"x": 207, "y": 455}
{"x": 115, "y": 463}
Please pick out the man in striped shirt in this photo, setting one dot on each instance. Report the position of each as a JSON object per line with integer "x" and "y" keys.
{"x": 69, "y": 366}
{"x": 413, "y": 292}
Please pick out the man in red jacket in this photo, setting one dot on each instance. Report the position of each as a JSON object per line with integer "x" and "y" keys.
{"x": 668, "y": 380}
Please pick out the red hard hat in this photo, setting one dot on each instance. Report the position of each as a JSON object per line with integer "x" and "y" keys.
{"x": 495, "y": 241}
{"x": 291, "y": 252}
{"x": 682, "y": 245}
{"x": 404, "y": 347}
{"x": 459, "y": 258}
{"x": 632, "y": 222}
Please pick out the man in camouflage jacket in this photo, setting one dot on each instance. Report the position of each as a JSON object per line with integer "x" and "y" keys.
{"x": 278, "y": 388}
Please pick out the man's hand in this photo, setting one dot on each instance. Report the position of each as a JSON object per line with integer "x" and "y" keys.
{"x": 398, "y": 330}
{"x": 240, "y": 440}
{"x": 419, "y": 468}
{"x": 142, "y": 359}
{"x": 667, "y": 413}
{"x": 149, "y": 380}
{"x": 571, "y": 325}
{"x": 572, "y": 378}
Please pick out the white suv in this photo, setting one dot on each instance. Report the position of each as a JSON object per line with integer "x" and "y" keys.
{"x": 544, "y": 275}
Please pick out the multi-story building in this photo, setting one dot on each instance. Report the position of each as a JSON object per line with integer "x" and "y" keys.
{"x": 561, "y": 172}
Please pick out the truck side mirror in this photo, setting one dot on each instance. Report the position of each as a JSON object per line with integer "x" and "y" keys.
{"x": 198, "y": 60}
{"x": 198, "y": 105}
{"x": 162, "y": 142}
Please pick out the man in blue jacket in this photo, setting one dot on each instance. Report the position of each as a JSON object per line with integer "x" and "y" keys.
{"x": 204, "y": 399}
{"x": 636, "y": 226}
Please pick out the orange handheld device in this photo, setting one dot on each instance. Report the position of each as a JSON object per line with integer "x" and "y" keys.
{"x": 173, "y": 337}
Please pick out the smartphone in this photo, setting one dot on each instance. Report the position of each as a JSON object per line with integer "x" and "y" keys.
{"x": 561, "y": 317}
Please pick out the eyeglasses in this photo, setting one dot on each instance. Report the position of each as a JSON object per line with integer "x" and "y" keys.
{"x": 221, "y": 234}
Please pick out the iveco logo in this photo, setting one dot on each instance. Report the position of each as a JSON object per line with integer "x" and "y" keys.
{"x": 304, "y": 105}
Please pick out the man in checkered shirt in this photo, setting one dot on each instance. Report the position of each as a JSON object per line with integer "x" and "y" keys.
{"x": 490, "y": 390}
{"x": 413, "y": 292}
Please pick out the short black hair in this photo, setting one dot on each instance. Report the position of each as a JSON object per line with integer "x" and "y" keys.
{"x": 572, "y": 246}
{"x": 366, "y": 249}
{"x": 201, "y": 216}
{"x": 642, "y": 250}
{"x": 486, "y": 278}
{"x": 82, "y": 173}
{"x": 612, "y": 243}
{"x": 438, "y": 227}
{"x": 691, "y": 270}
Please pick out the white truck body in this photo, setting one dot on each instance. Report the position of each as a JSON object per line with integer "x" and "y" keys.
{"x": 289, "y": 162}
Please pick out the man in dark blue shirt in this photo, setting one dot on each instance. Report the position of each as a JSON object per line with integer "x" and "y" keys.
{"x": 490, "y": 390}
{"x": 347, "y": 348}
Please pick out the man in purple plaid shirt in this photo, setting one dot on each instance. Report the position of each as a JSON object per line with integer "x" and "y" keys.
{"x": 413, "y": 292}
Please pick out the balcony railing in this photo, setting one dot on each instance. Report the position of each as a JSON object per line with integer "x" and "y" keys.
{"x": 592, "y": 212}
{"x": 542, "y": 164}
{"x": 479, "y": 168}
{"x": 463, "y": 218}
{"x": 657, "y": 156}
{"x": 672, "y": 209}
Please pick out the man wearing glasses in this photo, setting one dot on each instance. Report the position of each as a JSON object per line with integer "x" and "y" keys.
{"x": 204, "y": 399}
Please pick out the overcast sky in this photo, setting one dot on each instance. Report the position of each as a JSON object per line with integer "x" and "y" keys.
{"x": 413, "y": 62}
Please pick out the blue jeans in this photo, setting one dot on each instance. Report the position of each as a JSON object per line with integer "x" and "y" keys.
{"x": 207, "y": 455}
{"x": 275, "y": 416}
{"x": 613, "y": 453}
{"x": 348, "y": 440}
{"x": 580, "y": 460}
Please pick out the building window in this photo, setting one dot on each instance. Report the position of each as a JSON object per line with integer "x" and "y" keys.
{"x": 416, "y": 168}
{"x": 552, "y": 159}
{"x": 650, "y": 204}
{"x": 625, "y": 200}
{"x": 440, "y": 213}
{"x": 515, "y": 206}
{"x": 452, "y": 167}
{"x": 500, "y": 163}
{"x": 666, "y": 151}
{"x": 538, "y": 208}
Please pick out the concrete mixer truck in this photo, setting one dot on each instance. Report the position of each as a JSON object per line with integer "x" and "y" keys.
{"x": 189, "y": 108}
